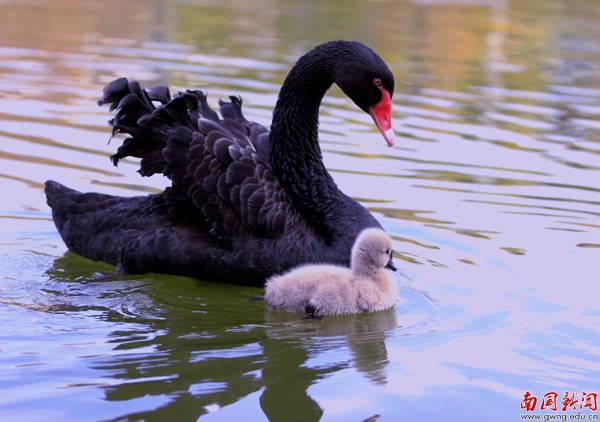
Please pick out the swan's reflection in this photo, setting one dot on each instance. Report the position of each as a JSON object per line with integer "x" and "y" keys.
{"x": 197, "y": 346}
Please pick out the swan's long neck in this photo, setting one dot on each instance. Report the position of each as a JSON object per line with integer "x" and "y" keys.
{"x": 296, "y": 157}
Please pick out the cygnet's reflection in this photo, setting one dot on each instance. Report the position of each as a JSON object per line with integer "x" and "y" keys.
{"x": 363, "y": 333}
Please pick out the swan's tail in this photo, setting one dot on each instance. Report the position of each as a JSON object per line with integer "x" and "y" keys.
{"x": 70, "y": 209}
{"x": 59, "y": 198}
{"x": 92, "y": 224}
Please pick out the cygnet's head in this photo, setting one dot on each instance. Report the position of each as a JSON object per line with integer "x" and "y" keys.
{"x": 372, "y": 250}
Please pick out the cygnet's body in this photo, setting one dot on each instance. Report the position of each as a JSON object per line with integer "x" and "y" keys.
{"x": 334, "y": 290}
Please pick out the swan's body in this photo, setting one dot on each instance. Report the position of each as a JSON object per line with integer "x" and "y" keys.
{"x": 335, "y": 290}
{"x": 242, "y": 198}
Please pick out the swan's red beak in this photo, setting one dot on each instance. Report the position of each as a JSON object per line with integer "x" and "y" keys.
{"x": 382, "y": 116}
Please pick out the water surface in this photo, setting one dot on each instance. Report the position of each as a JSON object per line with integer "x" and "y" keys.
{"x": 491, "y": 195}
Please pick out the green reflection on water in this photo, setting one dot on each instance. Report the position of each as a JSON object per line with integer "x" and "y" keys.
{"x": 181, "y": 334}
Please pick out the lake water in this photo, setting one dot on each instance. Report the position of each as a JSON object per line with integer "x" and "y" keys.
{"x": 492, "y": 195}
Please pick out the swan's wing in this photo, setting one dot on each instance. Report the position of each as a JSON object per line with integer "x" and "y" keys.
{"x": 218, "y": 165}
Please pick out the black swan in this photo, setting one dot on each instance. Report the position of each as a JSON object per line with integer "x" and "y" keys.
{"x": 244, "y": 203}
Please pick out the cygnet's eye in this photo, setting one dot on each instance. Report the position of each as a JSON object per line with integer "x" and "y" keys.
{"x": 388, "y": 251}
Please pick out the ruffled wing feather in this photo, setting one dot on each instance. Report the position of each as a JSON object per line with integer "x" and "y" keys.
{"x": 220, "y": 166}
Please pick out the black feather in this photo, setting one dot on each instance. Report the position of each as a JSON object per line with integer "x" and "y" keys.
{"x": 160, "y": 93}
{"x": 238, "y": 171}
{"x": 221, "y": 150}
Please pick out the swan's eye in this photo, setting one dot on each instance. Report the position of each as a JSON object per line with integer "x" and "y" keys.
{"x": 388, "y": 251}
{"x": 377, "y": 82}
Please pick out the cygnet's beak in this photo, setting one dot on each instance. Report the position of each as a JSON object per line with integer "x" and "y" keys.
{"x": 390, "y": 265}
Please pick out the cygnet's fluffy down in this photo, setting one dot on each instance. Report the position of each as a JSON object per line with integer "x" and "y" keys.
{"x": 334, "y": 290}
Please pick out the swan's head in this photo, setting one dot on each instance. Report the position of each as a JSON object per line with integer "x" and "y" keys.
{"x": 366, "y": 79}
{"x": 372, "y": 250}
